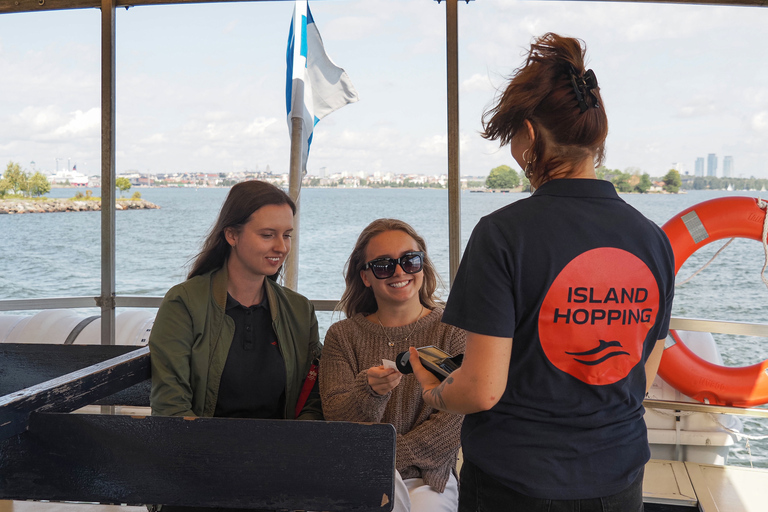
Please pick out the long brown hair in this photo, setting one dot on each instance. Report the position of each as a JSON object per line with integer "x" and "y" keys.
{"x": 541, "y": 92}
{"x": 243, "y": 199}
{"x": 357, "y": 298}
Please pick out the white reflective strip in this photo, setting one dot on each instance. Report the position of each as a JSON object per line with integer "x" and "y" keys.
{"x": 695, "y": 226}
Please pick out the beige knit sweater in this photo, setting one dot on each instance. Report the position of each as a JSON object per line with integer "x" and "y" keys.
{"x": 427, "y": 439}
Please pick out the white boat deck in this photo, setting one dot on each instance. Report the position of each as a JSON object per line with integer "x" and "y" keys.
{"x": 713, "y": 488}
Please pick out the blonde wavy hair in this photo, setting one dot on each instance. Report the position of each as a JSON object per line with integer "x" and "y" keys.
{"x": 357, "y": 298}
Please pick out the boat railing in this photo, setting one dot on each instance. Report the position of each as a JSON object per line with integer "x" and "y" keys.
{"x": 719, "y": 326}
{"x": 681, "y": 323}
{"x": 121, "y": 301}
{"x": 148, "y": 301}
{"x": 142, "y": 301}
{"x": 671, "y": 405}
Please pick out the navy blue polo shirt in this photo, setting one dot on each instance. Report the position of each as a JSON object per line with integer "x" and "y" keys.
{"x": 253, "y": 380}
{"x": 583, "y": 283}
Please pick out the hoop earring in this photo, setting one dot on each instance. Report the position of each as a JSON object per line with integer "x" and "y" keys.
{"x": 528, "y": 164}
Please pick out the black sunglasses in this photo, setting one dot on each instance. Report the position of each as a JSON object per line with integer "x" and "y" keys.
{"x": 383, "y": 268}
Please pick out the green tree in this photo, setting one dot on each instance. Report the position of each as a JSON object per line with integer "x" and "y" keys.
{"x": 672, "y": 181}
{"x": 123, "y": 184}
{"x": 621, "y": 181}
{"x": 645, "y": 183}
{"x": 16, "y": 178}
{"x": 39, "y": 185}
{"x": 502, "y": 176}
{"x": 600, "y": 172}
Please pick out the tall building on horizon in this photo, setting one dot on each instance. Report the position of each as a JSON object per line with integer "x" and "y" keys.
{"x": 712, "y": 165}
{"x": 727, "y": 166}
{"x": 699, "y": 166}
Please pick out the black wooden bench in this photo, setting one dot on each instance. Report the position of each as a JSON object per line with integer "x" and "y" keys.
{"x": 48, "y": 454}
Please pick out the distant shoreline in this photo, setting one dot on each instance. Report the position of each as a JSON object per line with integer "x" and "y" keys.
{"x": 18, "y": 206}
{"x": 180, "y": 187}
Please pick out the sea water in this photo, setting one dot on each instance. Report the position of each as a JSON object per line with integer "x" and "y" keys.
{"x": 58, "y": 254}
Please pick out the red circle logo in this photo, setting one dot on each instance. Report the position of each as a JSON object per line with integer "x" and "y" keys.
{"x": 597, "y": 313}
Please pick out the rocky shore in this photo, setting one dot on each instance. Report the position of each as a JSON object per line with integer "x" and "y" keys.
{"x": 11, "y": 206}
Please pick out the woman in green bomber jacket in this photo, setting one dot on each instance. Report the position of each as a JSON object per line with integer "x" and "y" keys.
{"x": 230, "y": 341}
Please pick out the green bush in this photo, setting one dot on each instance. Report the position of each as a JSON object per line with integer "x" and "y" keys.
{"x": 502, "y": 177}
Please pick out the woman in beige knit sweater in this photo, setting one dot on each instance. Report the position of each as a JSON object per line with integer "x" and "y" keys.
{"x": 390, "y": 306}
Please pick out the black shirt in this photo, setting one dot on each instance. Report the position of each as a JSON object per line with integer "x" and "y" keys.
{"x": 253, "y": 380}
{"x": 583, "y": 283}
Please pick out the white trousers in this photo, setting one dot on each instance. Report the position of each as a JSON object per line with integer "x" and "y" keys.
{"x": 413, "y": 495}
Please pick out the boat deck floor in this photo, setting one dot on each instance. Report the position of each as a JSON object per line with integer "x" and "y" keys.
{"x": 668, "y": 486}
{"x": 679, "y": 486}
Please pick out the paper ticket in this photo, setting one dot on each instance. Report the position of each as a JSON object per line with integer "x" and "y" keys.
{"x": 388, "y": 364}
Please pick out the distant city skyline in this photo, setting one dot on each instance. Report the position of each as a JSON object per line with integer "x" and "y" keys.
{"x": 699, "y": 166}
{"x": 728, "y": 168}
{"x": 712, "y": 165}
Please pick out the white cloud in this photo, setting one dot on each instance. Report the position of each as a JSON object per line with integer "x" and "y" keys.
{"x": 231, "y": 27}
{"x": 217, "y": 115}
{"x": 154, "y": 139}
{"x": 49, "y": 123}
{"x": 434, "y": 145}
{"x": 259, "y": 126}
{"x": 350, "y": 28}
{"x": 36, "y": 119}
{"x": 478, "y": 83}
{"x": 760, "y": 121}
{"x": 698, "y": 107}
{"x": 81, "y": 124}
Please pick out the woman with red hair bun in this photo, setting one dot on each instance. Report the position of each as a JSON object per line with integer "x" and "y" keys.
{"x": 566, "y": 297}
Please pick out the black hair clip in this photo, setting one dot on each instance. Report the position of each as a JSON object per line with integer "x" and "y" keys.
{"x": 583, "y": 85}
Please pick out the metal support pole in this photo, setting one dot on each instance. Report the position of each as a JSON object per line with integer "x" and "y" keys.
{"x": 454, "y": 182}
{"x": 294, "y": 190}
{"x": 107, "y": 299}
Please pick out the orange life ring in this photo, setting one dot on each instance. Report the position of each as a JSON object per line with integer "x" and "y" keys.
{"x": 688, "y": 231}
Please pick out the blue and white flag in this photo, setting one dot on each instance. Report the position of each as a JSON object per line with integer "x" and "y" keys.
{"x": 314, "y": 85}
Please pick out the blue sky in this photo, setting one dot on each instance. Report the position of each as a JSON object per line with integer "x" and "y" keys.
{"x": 201, "y": 87}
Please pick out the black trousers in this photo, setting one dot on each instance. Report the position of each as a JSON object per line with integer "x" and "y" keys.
{"x": 479, "y": 492}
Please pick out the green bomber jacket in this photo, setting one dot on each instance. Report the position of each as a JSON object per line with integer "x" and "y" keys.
{"x": 192, "y": 334}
